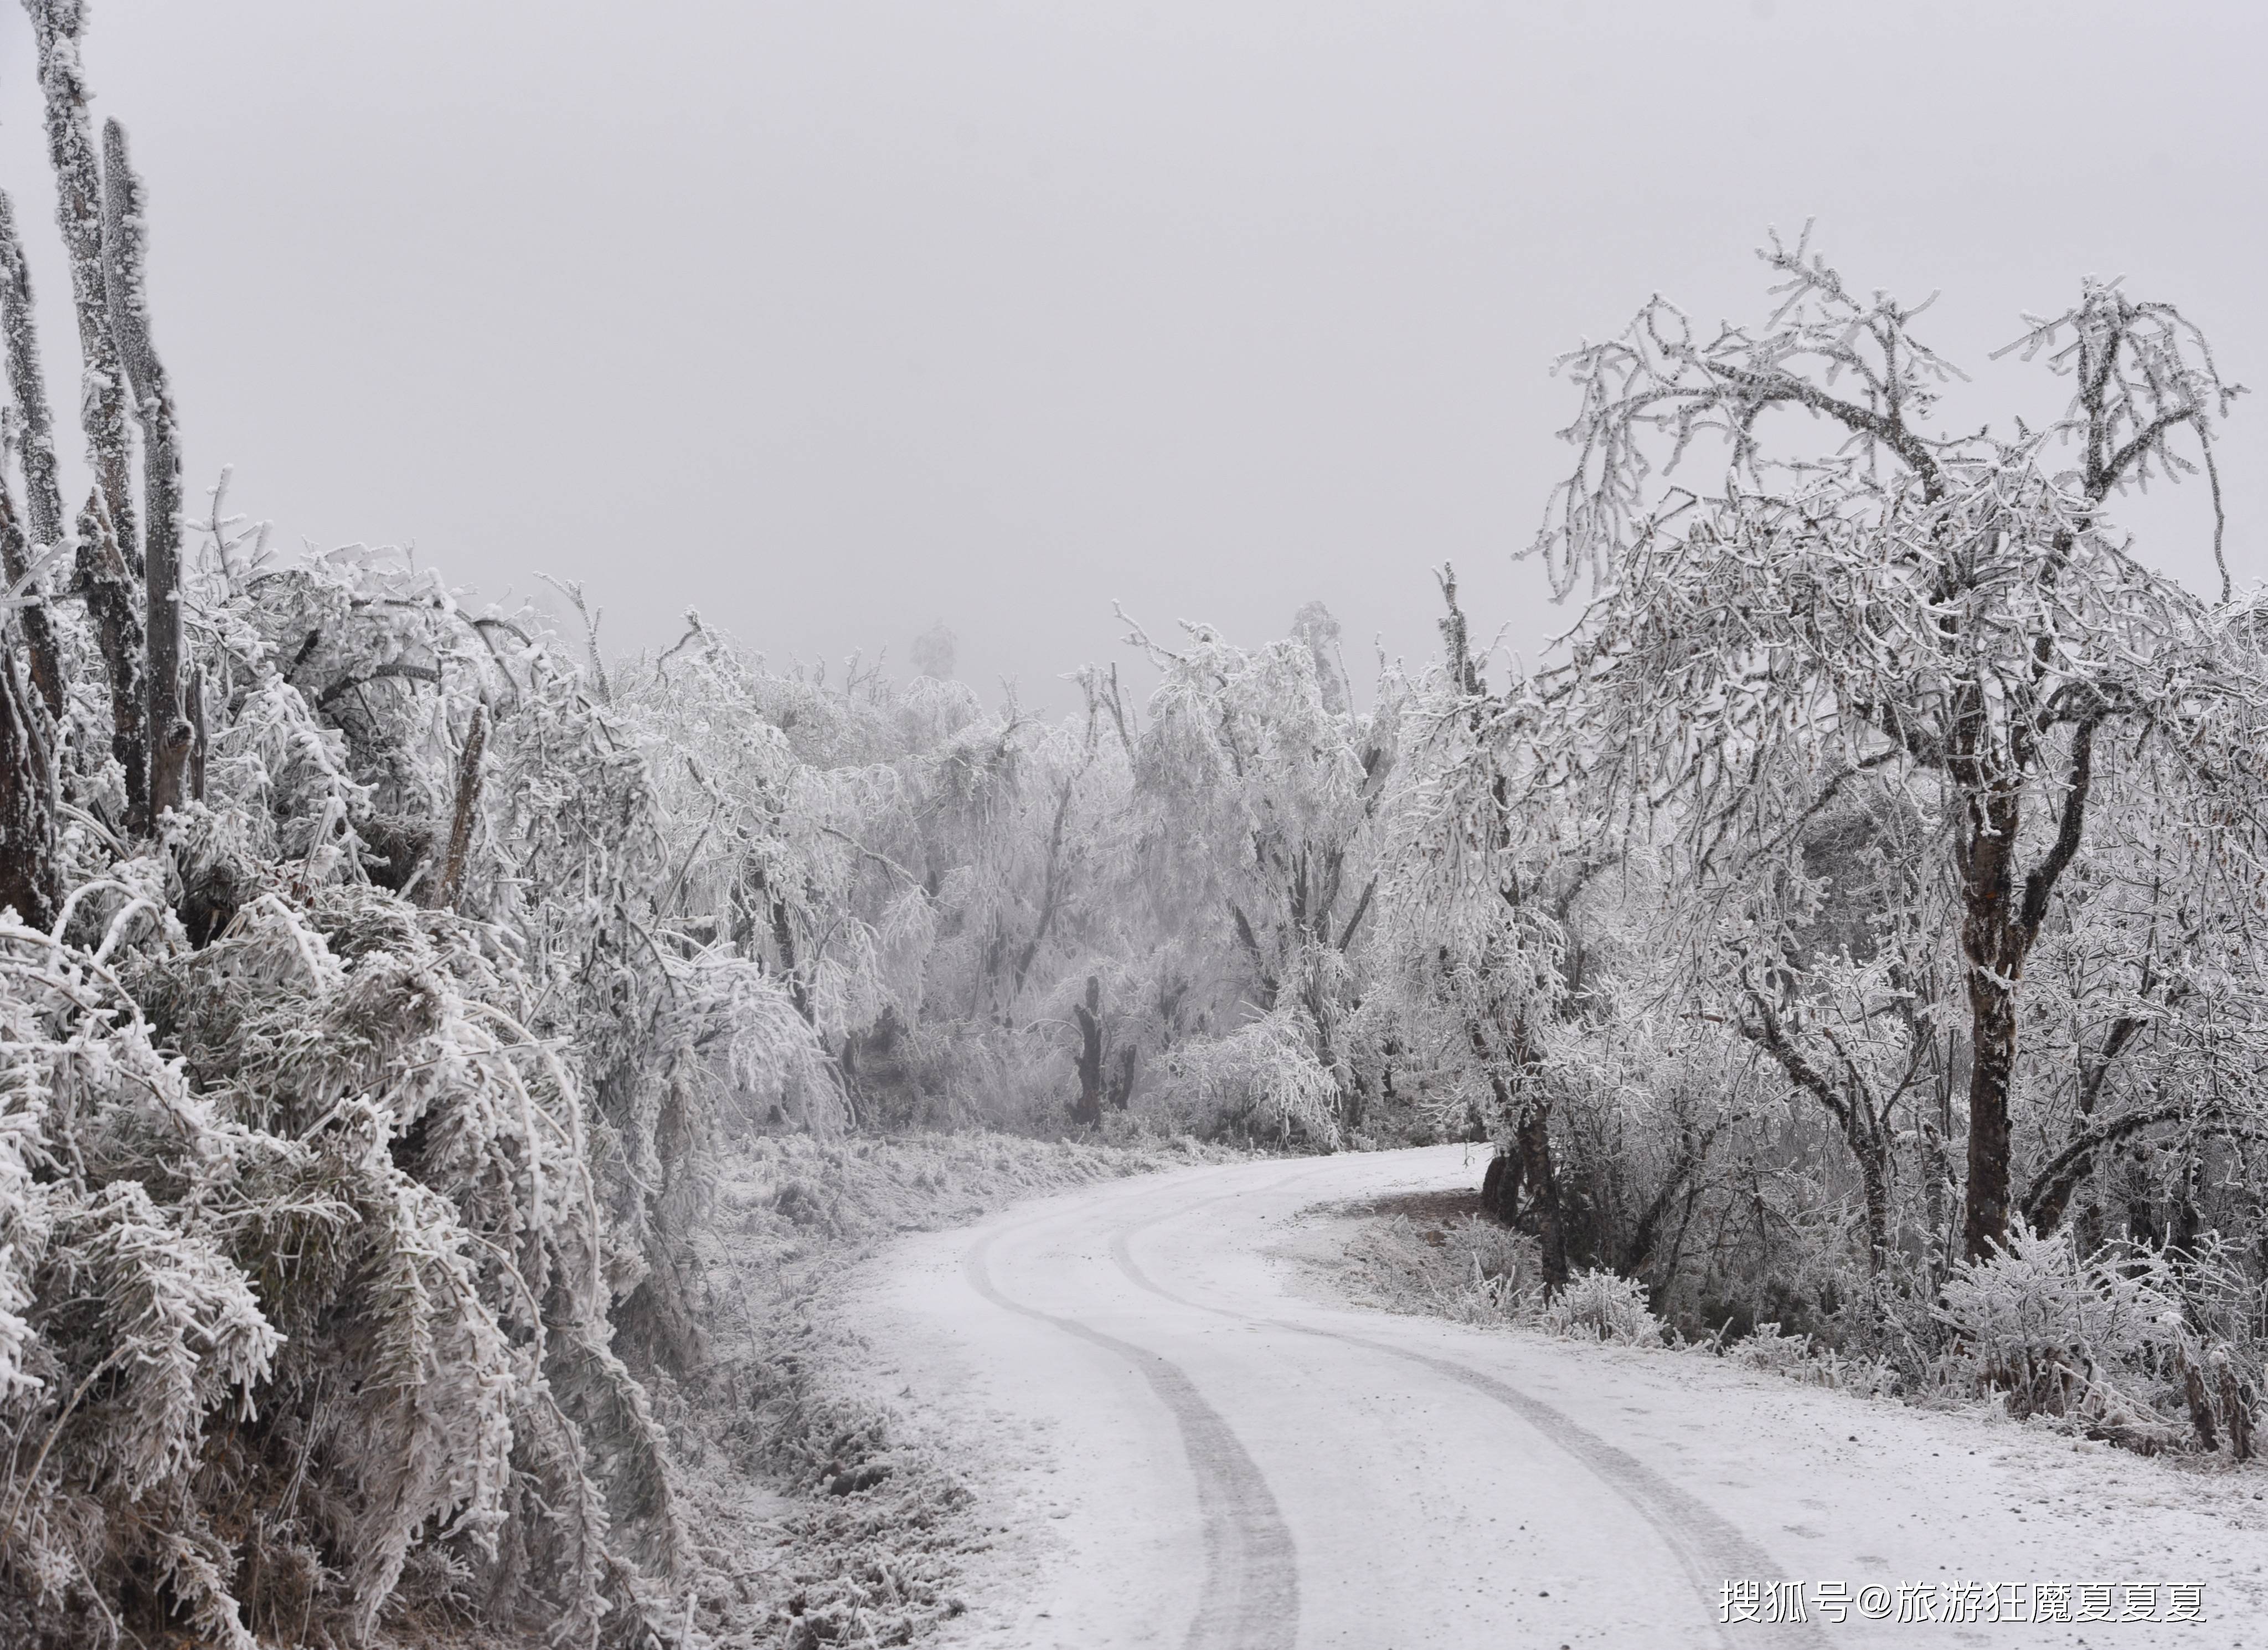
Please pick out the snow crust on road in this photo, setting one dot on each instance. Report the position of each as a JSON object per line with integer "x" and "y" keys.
{"x": 1184, "y": 1440}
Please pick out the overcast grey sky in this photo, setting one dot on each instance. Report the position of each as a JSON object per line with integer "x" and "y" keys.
{"x": 836, "y": 318}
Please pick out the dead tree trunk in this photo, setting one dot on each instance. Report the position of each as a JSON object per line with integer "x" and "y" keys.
{"x": 39, "y": 625}
{"x": 2200, "y": 1404}
{"x": 43, "y": 499}
{"x": 43, "y": 502}
{"x": 124, "y": 238}
{"x": 1088, "y": 1108}
{"x": 28, "y": 877}
{"x": 451, "y": 886}
{"x": 56, "y": 25}
{"x": 2235, "y": 1406}
{"x": 109, "y": 593}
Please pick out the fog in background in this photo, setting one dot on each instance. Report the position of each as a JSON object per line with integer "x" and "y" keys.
{"x": 835, "y": 320}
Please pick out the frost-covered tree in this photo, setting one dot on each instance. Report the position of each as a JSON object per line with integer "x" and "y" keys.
{"x": 1484, "y": 876}
{"x": 1262, "y": 788}
{"x": 1951, "y": 615}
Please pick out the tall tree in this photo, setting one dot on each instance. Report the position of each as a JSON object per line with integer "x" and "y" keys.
{"x": 126, "y": 297}
{"x": 55, "y": 28}
{"x": 36, "y": 447}
{"x": 1952, "y": 612}
{"x": 1264, "y": 789}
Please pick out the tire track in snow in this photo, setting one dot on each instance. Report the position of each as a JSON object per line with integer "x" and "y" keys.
{"x": 1250, "y": 1596}
{"x": 1710, "y": 1550}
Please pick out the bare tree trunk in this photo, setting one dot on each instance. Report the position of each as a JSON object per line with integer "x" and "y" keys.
{"x": 1992, "y": 1019}
{"x": 1501, "y": 1187}
{"x": 43, "y": 502}
{"x": 1874, "y": 1174}
{"x": 28, "y": 877}
{"x": 2235, "y": 1406}
{"x": 43, "y": 499}
{"x": 109, "y": 593}
{"x": 1089, "y": 1108}
{"x": 39, "y": 623}
{"x": 451, "y": 886}
{"x": 1986, "y": 856}
{"x": 56, "y": 25}
{"x": 125, "y": 285}
{"x": 2200, "y": 1405}
{"x": 1534, "y": 1144}
{"x": 201, "y": 741}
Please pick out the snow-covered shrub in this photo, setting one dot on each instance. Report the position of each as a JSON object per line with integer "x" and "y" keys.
{"x": 1263, "y": 1077}
{"x": 1766, "y": 1348}
{"x": 1471, "y": 1270}
{"x": 2060, "y": 1333}
{"x": 1600, "y": 1306}
{"x": 335, "y": 1257}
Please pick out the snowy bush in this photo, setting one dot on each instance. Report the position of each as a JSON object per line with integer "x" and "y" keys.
{"x": 2062, "y": 1334}
{"x": 1771, "y": 1351}
{"x": 1472, "y": 1271}
{"x": 1264, "y": 1076}
{"x": 1599, "y": 1306}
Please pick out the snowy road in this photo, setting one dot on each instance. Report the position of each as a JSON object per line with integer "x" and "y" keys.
{"x": 1190, "y": 1445}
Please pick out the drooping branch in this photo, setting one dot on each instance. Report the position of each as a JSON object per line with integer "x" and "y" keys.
{"x": 391, "y": 669}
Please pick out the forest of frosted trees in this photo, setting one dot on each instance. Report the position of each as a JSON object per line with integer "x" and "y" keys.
{"x": 1855, "y": 926}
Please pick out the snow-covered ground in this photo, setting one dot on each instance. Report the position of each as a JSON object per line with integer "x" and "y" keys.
{"x": 1185, "y": 1438}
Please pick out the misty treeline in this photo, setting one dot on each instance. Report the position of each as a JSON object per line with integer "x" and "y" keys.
{"x": 1856, "y": 928}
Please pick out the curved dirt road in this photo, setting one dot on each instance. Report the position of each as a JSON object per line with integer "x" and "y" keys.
{"x": 1188, "y": 1444}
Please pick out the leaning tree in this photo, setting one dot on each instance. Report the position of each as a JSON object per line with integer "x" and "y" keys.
{"x": 1952, "y": 617}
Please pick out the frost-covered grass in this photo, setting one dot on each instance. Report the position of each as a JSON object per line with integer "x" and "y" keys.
{"x": 820, "y": 1522}
{"x": 2102, "y": 1348}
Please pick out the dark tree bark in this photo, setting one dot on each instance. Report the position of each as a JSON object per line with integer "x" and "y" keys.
{"x": 28, "y": 877}
{"x": 200, "y": 739}
{"x": 2235, "y": 1407}
{"x": 452, "y": 885}
{"x": 1984, "y": 858}
{"x": 173, "y": 736}
{"x": 1534, "y": 1142}
{"x": 2193, "y": 1388}
{"x": 1087, "y": 1108}
{"x": 1500, "y": 1188}
{"x": 109, "y": 593}
{"x": 1997, "y": 934}
{"x": 46, "y": 656}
